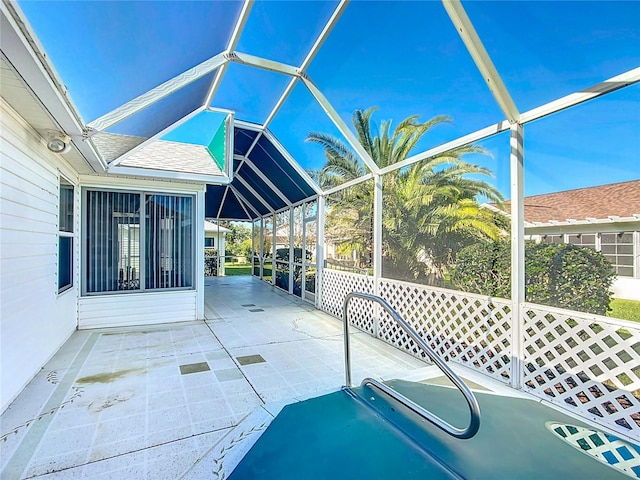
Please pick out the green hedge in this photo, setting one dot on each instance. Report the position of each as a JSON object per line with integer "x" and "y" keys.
{"x": 558, "y": 275}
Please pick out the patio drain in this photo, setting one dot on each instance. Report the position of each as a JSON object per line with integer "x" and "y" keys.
{"x": 256, "y": 310}
{"x": 250, "y": 359}
{"x": 194, "y": 368}
{"x": 248, "y": 305}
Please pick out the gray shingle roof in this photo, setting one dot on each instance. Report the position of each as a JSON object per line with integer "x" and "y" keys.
{"x": 174, "y": 157}
{"x": 112, "y": 145}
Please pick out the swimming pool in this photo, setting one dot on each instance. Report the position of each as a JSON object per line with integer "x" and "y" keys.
{"x": 402, "y": 429}
{"x": 361, "y": 433}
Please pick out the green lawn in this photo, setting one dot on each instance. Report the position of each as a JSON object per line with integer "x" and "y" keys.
{"x": 231, "y": 269}
{"x": 625, "y": 309}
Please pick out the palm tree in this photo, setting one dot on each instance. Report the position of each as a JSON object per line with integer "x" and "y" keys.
{"x": 430, "y": 213}
{"x": 385, "y": 149}
{"x": 349, "y": 221}
{"x": 429, "y": 209}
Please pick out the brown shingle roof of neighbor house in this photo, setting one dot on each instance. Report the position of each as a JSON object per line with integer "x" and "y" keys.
{"x": 600, "y": 202}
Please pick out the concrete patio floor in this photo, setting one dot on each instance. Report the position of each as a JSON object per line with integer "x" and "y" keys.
{"x": 183, "y": 400}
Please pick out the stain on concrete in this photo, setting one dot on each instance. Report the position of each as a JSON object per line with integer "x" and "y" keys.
{"x": 110, "y": 401}
{"x": 110, "y": 376}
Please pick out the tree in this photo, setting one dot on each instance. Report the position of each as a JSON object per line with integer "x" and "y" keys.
{"x": 430, "y": 209}
{"x": 236, "y": 240}
{"x": 244, "y": 250}
{"x": 430, "y": 212}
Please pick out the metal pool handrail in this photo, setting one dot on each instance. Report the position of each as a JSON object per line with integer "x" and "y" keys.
{"x": 474, "y": 408}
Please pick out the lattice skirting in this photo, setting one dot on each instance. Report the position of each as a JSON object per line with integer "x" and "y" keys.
{"x": 587, "y": 364}
{"x": 465, "y": 328}
{"x": 470, "y": 329}
{"x": 335, "y": 287}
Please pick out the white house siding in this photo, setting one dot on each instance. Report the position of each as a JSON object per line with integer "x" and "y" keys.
{"x": 34, "y": 319}
{"x": 218, "y": 243}
{"x": 121, "y": 309}
{"x": 137, "y": 309}
{"x": 626, "y": 288}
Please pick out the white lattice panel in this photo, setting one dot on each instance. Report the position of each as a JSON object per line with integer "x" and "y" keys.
{"x": 335, "y": 287}
{"x": 585, "y": 363}
{"x": 605, "y": 448}
{"x": 463, "y": 327}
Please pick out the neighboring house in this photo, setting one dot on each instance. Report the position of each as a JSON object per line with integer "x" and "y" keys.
{"x": 605, "y": 218}
{"x": 214, "y": 238}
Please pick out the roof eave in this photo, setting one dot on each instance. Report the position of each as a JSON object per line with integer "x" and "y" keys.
{"x": 27, "y": 55}
{"x": 170, "y": 175}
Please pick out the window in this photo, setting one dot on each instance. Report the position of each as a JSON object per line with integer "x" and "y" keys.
{"x": 124, "y": 253}
{"x": 169, "y": 241}
{"x": 583, "y": 240}
{"x": 209, "y": 242}
{"x": 65, "y": 236}
{"x": 618, "y": 249}
{"x": 552, "y": 239}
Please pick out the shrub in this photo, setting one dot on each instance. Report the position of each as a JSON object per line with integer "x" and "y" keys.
{"x": 558, "y": 275}
{"x": 210, "y": 262}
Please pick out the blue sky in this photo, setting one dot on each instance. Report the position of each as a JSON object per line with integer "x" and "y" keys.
{"x": 404, "y": 57}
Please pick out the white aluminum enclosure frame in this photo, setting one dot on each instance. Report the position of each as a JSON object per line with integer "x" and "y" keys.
{"x": 233, "y": 42}
{"x": 476, "y": 49}
{"x": 266, "y": 180}
{"x": 219, "y": 62}
{"x": 517, "y": 249}
{"x": 156, "y": 94}
{"x": 245, "y": 201}
{"x": 256, "y": 194}
{"x": 514, "y": 121}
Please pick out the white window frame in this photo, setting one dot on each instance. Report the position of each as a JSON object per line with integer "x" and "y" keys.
{"x": 633, "y": 254}
{"x": 66, "y": 234}
{"x": 213, "y": 242}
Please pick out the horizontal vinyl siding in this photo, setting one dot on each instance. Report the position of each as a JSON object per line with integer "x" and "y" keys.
{"x": 136, "y": 309}
{"x": 39, "y": 214}
{"x": 27, "y": 193}
{"x": 34, "y": 320}
{"x": 35, "y": 174}
{"x": 17, "y": 251}
{"x": 20, "y": 274}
